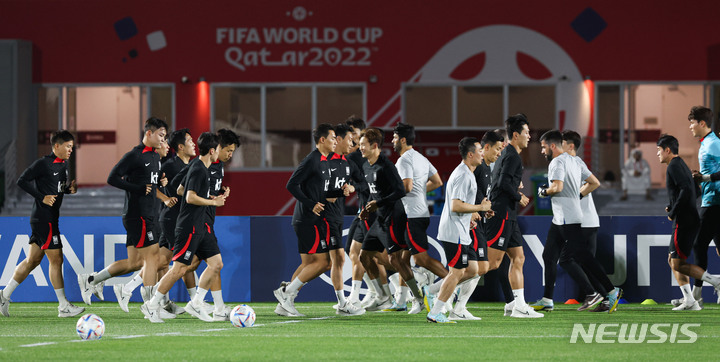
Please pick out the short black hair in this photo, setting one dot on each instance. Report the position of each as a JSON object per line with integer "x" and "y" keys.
{"x": 227, "y": 137}
{"x": 552, "y": 136}
{"x": 405, "y": 131}
{"x": 207, "y": 141}
{"x": 153, "y": 124}
{"x": 700, "y": 113}
{"x": 356, "y": 122}
{"x": 373, "y": 135}
{"x": 322, "y": 130}
{"x": 467, "y": 145}
{"x": 341, "y": 130}
{"x": 60, "y": 137}
{"x": 668, "y": 141}
{"x": 177, "y": 138}
{"x": 515, "y": 124}
{"x": 491, "y": 138}
{"x": 573, "y": 137}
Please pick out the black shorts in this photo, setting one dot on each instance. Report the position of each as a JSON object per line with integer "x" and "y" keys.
{"x": 389, "y": 237}
{"x": 333, "y": 233}
{"x": 311, "y": 238}
{"x": 682, "y": 240}
{"x": 139, "y": 232}
{"x": 502, "y": 233}
{"x": 167, "y": 234}
{"x": 478, "y": 247}
{"x": 196, "y": 241}
{"x": 457, "y": 254}
{"x": 417, "y": 234}
{"x": 46, "y": 235}
{"x": 363, "y": 226}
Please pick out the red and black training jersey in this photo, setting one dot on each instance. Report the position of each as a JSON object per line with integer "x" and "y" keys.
{"x": 364, "y": 194}
{"x": 507, "y": 176}
{"x": 217, "y": 172}
{"x": 171, "y": 168}
{"x": 137, "y": 168}
{"x": 46, "y": 176}
{"x": 198, "y": 180}
{"x": 385, "y": 186}
{"x": 483, "y": 177}
{"x": 309, "y": 184}
{"x": 682, "y": 191}
{"x": 342, "y": 172}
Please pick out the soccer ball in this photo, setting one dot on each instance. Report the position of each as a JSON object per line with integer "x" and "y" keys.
{"x": 242, "y": 316}
{"x": 90, "y": 327}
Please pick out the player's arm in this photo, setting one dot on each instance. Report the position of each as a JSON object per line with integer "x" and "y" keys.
{"x": 405, "y": 171}
{"x": 556, "y": 187}
{"x": 463, "y": 207}
{"x": 510, "y": 167}
{"x": 397, "y": 190}
{"x": 407, "y": 184}
{"x": 434, "y": 182}
{"x": 27, "y": 178}
{"x": 121, "y": 169}
{"x": 298, "y": 177}
{"x": 358, "y": 179}
{"x": 685, "y": 190}
{"x": 168, "y": 201}
{"x": 592, "y": 183}
{"x": 193, "y": 199}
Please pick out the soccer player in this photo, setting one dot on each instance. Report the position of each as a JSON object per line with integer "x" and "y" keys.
{"x": 137, "y": 173}
{"x": 419, "y": 177}
{"x": 193, "y": 238}
{"x": 343, "y": 174}
{"x": 701, "y": 124}
{"x": 46, "y": 180}
{"x": 308, "y": 184}
{"x": 386, "y": 233}
{"x": 492, "y": 145}
{"x": 565, "y": 176}
{"x": 686, "y": 221}
{"x": 557, "y": 249}
{"x": 455, "y": 223}
{"x": 502, "y": 231}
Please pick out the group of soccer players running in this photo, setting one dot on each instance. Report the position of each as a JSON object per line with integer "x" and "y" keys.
{"x": 169, "y": 214}
{"x": 170, "y": 211}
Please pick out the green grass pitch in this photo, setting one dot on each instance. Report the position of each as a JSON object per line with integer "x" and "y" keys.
{"x": 33, "y": 332}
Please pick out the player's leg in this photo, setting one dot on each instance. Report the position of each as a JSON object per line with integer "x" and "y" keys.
{"x": 32, "y": 260}
{"x": 590, "y": 295}
{"x": 551, "y": 254}
{"x": 357, "y": 271}
{"x": 55, "y": 259}
{"x": 515, "y": 275}
{"x": 467, "y": 284}
{"x": 457, "y": 257}
{"x": 708, "y": 217}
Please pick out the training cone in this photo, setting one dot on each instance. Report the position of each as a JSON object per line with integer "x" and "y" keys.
{"x": 622, "y": 301}
{"x": 572, "y": 301}
{"x": 648, "y": 302}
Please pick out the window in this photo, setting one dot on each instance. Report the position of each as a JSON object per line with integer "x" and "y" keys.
{"x": 275, "y": 120}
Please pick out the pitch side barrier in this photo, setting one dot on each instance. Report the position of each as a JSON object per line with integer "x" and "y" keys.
{"x": 261, "y": 251}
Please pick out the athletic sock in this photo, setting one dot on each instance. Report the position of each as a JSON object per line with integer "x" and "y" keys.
{"x": 403, "y": 296}
{"x": 156, "y": 298}
{"x": 60, "y": 293}
{"x": 100, "y": 276}
{"x": 466, "y": 291}
{"x": 519, "y": 295}
{"x": 375, "y": 287}
{"x": 218, "y": 300}
{"x": 12, "y": 284}
{"x": 386, "y": 289}
{"x": 199, "y": 298}
{"x": 355, "y": 291}
{"x": 340, "y": 294}
{"x": 367, "y": 280}
{"x": 697, "y": 292}
{"x": 689, "y": 298}
{"x": 434, "y": 288}
{"x": 707, "y": 277}
{"x": 191, "y": 292}
{"x": 438, "y": 307}
{"x": 294, "y": 286}
{"x": 132, "y": 284}
{"x": 412, "y": 284}
{"x": 147, "y": 292}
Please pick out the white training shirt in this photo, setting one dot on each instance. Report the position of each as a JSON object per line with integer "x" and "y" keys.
{"x": 590, "y": 216}
{"x": 413, "y": 165}
{"x": 566, "y": 203}
{"x": 455, "y": 227}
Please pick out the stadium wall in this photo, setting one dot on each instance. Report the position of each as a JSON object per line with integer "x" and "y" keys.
{"x": 260, "y": 252}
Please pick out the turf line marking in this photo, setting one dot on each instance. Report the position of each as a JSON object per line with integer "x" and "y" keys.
{"x": 285, "y": 322}
{"x": 168, "y": 334}
{"x": 38, "y": 344}
{"x": 132, "y": 336}
{"x": 214, "y": 330}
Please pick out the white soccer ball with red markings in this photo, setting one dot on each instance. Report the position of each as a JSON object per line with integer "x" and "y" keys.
{"x": 242, "y": 316}
{"x": 90, "y": 327}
